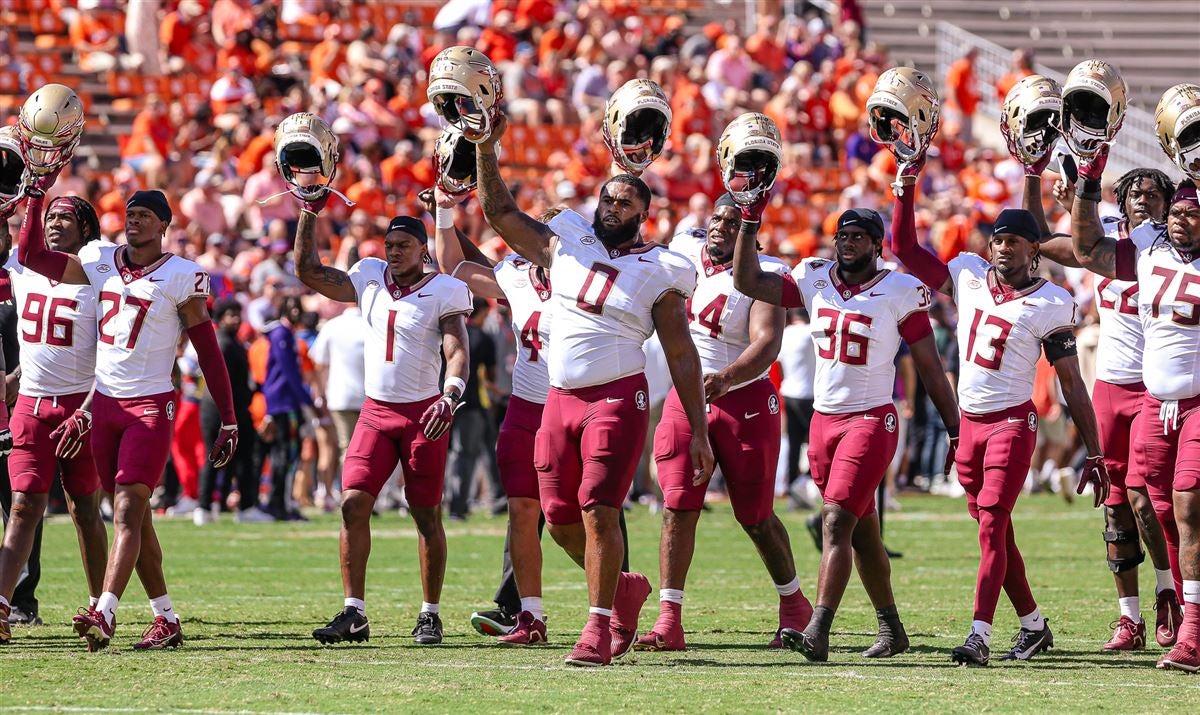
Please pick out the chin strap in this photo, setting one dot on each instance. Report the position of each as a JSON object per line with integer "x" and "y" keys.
{"x": 296, "y": 192}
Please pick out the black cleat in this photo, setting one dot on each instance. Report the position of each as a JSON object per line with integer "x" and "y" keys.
{"x": 497, "y": 622}
{"x": 974, "y": 652}
{"x": 1030, "y": 643}
{"x": 814, "y": 648}
{"x": 349, "y": 625}
{"x": 892, "y": 640}
{"x": 813, "y": 524}
{"x": 428, "y": 630}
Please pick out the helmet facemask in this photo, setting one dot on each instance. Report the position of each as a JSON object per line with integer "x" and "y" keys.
{"x": 897, "y": 131}
{"x": 1187, "y": 155}
{"x": 1039, "y": 135}
{"x": 751, "y": 175}
{"x": 300, "y": 166}
{"x": 13, "y": 176}
{"x": 642, "y": 137}
{"x": 1085, "y": 123}
{"x": 454, "y": 164}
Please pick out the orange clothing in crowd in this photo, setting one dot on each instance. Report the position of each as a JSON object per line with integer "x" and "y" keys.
{"x": 960, "y": 78}
{"x": 1005, "y": 84}
{"x": 250, "y": 159}
{"x": 372, "y": 199}
{"x": 534, "y": 12}
{"x": 498, "y": 44}
{"x": 954, "y": 238}
{"x": 175, "y": 34}
{"x": 329, "y": 52}
{"x": 764, "y": 50}
{"x": 149, "y": 134}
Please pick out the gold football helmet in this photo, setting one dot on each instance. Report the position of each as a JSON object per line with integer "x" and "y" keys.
{"x": 50, "y": 125}
{"x": 1093, "y": 106}
{"x": 454, "y": 162}
{"x": 306, "y": 151}
{"x": 465, "y": 90}
{"x": 13, "y": 177}
{"x": 1177, "y": 124}
{"x": 749, "y": 154}
{"x": 903, "y": 112}
{"x": 637, "y": 122}
{"x": 1030, "y": 119}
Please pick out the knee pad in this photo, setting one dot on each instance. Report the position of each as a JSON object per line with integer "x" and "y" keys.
{"x": 1126, "y": 563}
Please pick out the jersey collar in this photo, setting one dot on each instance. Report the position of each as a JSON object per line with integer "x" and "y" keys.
{"x": 129, "y": 272}
{"x": 1002, "y": 293}
{"x": 849, "y": 291}
{"x": 398, "y": 292}
{"x": 639, "y": 247}
{"x": 542, "y": 287}
{"x": 710, "y": 268}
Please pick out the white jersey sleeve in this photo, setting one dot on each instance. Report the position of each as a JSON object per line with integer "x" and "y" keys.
{"x": 56, "y": 329}
{"x": 603, "y": 300}
{"x": 529, "y": 306}
{"x": 403, "y": 350}
{"x": 1000, "y": 334}
{"x": 1169, "y": 307}
{"x": 1119, "y": 351}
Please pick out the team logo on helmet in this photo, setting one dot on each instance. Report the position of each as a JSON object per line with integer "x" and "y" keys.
{"x": 889, "y": 422}
{"x": 1093, "y": 107}
{"x": 1031, "y": 117}
{"x": 640, "y": 400}
{"x": 773, "y": 404}
{"x": 465, "y": 90}
{"x": 306, "y": 154}
{"x": 1177, "y": 124}
{"x": 903, "y": 113}
{"x": 637, "y": 122}
{"x": 51, "y": 124}
{"x": 749, "y": 154}
{"x": 13, "y": 175}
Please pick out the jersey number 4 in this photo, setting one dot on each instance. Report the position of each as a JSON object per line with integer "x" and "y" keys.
{"x": 710, "y": 315}
{"x": 530, "y": 337}
{"x": 48, "y": 326}
{"x": 140, "y": 305}
{"x": 844, "y": 346}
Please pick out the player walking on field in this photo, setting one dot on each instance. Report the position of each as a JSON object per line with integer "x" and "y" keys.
{"x": 609, "y": 293}
{"x": 737, "y": 338}
{"x": 413, "y": 317}
{"x": 57, "y": 332}
{"x": 145, "y": 299}
{"x": 860, "y": 314}
{"x": 1007, "y": 318}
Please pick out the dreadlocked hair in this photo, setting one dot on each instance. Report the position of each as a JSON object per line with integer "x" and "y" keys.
{"x": 1162, "y": 183}
{"x": 89, "y": 223}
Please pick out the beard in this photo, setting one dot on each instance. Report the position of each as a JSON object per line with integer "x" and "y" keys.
{"x": 861, "y": 264}
{"x": 616, "y": 235}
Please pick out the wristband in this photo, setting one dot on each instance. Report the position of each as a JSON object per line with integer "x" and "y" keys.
{"x": 1089, "y": 190}
{"x": 444, "y": 218}
{"x": 456, "y": 383}
{"x": 952, "y": 433}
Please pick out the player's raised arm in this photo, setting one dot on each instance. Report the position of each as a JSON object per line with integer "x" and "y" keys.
{"x": 525, "y": 234}
{"x": 748, "y": 275}
{"x": 450, "y": 248}
{"x": 671, "y": 323}
{"x": 923, "y": 264}
{"x": 1060, "y": 351}
{"x": 200, "y": 330}
{"x": 326, "y": 280}
{"x": 31, "y": 246}
{"x": 1095, "y": 251}
{"x": 1055, "y": 246}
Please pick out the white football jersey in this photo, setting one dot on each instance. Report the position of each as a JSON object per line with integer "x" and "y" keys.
{"x": 138, "y": 317}
{"x": 529, "y": 305}
{"x": 857, "y": 332}
{"x": 1170, "y": 311}
{"x": 602, "y": 302}
{"x": 1000, "y": 333}
{"x": 719, "y": 315}
{"x": 404, "y": 338}
{"x": 56, "y": 327}
{"x": 1119, "y": 351}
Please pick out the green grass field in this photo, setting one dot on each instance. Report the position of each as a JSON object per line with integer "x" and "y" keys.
{"x": 250, "y": 594}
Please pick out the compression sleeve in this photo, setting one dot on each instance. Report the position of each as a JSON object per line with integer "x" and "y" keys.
{"x": 212, "y": 364}
{"x": 919, "y": 260}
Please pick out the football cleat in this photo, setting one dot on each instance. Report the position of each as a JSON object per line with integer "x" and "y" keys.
{"x": 632, "y": 591}
{"x": 903, "y": 113}
{"x": 306, "y": 154}
{"x": 1177, "y": 124}
{"x": 92, "y": 626}
{"x": 1183, "y": 656}
{"x": 465, "y": 90}
{"x": 974, "y": 651}
{"x": 1127, "y": 635}
{"x": 160, "y": 634}
{"x": 813, "y": 647}
{"x": 1168, "y": 618}
{"x": 637, "y": 122}
{"x": 21, "y": 617}
{"x": 889, "y": 642}
{"x": 528, "y": 631}
{"x": 51, "y": 124}
{"x": 428, "y": 630}
{"x": 794, "y": 615}
{"x": 1031, "y": 117}
{"x": 349, "y": 626}
{"x": 593, "y": 649}
{"x": 5, "y": 629}
{"x": 497, "y": 622}
{"x": 1094, "y": 103}
{"x": 1027, "y": 643}
{"x": 13, "y": 177}
{"x": 749, "y": 154}
{"x": 662, "y": 638}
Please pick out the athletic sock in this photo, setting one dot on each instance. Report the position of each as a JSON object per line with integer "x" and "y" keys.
{"x": 1131, "y": 608}
{"x": 984, "y": 630}
{"x": 1164, "y": 581}
{"x": 787, "y": 589}
{"x": 1033, "y": 621}
{"x": 822, "y": 621}
{"x": 162, "y": 607}
{"x": 672, "y": 595}
{"x": 427, "y": 607}
{"x": 107, "y": 607}
{"x": 533, "y": 604}
{"x": 597, "y": 611}
{"x": 357, "y": 604}
{"x": 92, "y": 601}
{"x": 1191, "y": 593}
{"x": 888, "y": 616}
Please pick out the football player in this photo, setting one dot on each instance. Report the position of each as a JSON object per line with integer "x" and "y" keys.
{"x": 609, "y": 293}
{"x": 57, "y": 332}
{"x": 860, "y": 314}
{"x": 1007, "y": 318}
{"x": 413, "y": 317}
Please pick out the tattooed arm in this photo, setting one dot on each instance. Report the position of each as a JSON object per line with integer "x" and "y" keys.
{"x": 1095, "y": 251}
{"x": 326, "y": 280}
{"x": 526, "y": 235}
{"x": 1054, "y": 246}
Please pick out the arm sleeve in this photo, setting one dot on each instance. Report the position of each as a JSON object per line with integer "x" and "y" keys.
{"x": 31, "y": 246}
{"x": 212, "y": 364}
{"x": 919, "y": 260}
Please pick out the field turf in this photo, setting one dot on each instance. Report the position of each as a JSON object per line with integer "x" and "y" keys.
{"x": 250, "y": 594}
